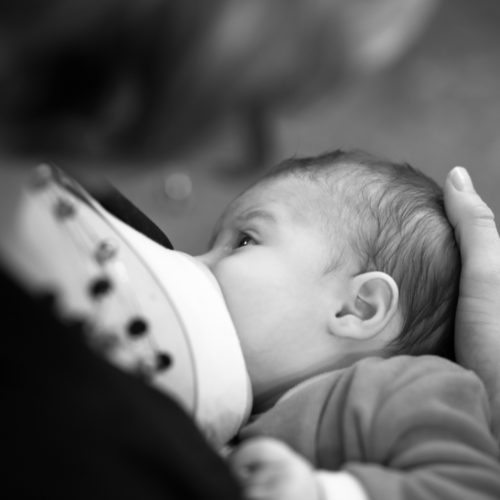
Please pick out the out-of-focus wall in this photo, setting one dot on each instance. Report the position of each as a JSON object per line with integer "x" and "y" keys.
{"x": 439, "y": 106}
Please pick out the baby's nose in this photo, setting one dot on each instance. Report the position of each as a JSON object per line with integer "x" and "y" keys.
{"x": 208, "y": 259}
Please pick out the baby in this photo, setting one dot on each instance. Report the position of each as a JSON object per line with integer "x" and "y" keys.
{"x": 337, "y": 271}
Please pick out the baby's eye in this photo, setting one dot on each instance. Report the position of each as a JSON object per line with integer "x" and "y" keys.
{"x": 244, "y": 240}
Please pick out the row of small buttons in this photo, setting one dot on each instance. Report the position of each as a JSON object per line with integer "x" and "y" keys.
{"x": 101, "y": 286}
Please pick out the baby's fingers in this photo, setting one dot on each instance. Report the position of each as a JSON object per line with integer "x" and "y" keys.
{"x": 269, "y": 469}
{"x": 255, "y": 455}
{"x": 256, "y": 464}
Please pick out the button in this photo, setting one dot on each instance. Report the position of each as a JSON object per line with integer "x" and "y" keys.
{"x": 64, "y": 209}
{"x": 105, "y": 251}
{"x": 99, "y": 287}
{"x": 137, "y": 327}
{"x": 163, "y": 361}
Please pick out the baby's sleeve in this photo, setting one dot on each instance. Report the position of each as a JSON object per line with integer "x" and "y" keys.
{"x": 418, "y": 430}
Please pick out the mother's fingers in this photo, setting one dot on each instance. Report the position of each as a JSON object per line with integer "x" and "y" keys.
{"x": 479, "y": 243}
{"x": 473, "y": 221}
{"x": 477, "y": 325}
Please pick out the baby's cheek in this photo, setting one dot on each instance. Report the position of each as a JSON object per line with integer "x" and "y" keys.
{"x": 247, "y": 298}
{"x": 232, "y": 285}
{"x": 233, "y": 278}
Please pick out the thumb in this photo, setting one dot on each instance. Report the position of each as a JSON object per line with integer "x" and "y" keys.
{"x": 474, "y": 224}
{"x": 477, "y": 326}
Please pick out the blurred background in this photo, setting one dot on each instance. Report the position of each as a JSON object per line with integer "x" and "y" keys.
{"x": 435, "y": 105}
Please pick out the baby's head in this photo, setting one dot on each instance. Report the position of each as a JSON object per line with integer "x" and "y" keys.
{"x": 330, "y": 259}
{"x": 391, "y": 219}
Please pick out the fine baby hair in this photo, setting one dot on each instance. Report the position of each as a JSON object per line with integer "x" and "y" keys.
{"x": 391, "y": 218}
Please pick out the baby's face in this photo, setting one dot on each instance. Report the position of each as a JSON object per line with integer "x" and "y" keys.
{"x": 270, "y": 261}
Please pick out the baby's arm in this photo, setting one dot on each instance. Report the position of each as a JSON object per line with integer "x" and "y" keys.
{"x": 269, "y": 469}
{"x": 426, "y": 435}
{"x": 404, "y": 428}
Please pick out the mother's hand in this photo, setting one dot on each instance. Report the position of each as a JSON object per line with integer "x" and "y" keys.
{"x": 477, "y": 329}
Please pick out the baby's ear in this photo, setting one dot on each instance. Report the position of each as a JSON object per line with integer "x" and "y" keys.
{"x": 368, "y": 306}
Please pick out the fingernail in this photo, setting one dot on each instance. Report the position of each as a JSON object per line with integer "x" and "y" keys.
{"x": 460, "y": 179}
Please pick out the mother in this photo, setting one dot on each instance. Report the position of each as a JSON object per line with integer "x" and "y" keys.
{"x": 108, "y": 84}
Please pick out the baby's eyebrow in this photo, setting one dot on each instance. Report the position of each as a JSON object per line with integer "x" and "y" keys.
{"x": 256, "y": 213}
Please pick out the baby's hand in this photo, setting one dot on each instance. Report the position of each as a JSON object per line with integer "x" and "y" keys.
{"x": 269, "y": 470}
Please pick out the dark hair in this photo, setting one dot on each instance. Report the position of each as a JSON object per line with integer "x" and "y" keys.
{"x": 132, "y": 79}
{"x": 397, "y": 225}
{"x": 98, "y": 77}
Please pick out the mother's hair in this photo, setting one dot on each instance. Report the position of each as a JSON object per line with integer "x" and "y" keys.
{"x": 86, "y": 76}
{"x": 97, "y": 78}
